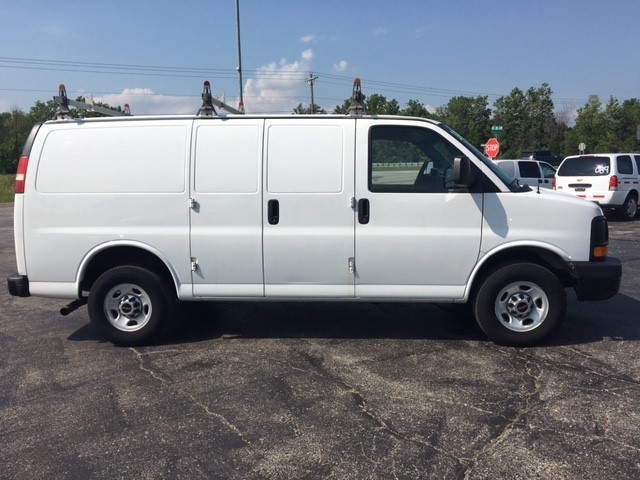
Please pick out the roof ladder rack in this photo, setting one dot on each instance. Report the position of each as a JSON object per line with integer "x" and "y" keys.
{"x": 357, "y": 109}
{"x": 207, "y": 109}
{"x": 64, "y": 103}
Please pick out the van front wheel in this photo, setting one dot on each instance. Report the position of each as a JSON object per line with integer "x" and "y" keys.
{"x": 129, "y": 305}
{"x": 519, "y": 304}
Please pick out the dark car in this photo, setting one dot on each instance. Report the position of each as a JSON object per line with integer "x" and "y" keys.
{"x": 548, "y": 156}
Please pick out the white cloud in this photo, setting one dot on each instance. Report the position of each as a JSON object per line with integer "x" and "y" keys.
{"x": 309, "y": 38}
{"x": 341, "y": 66}
{"x": 278, "y": 87}
{"x": 143, "y": 101}
{"x": 378, "y": 31}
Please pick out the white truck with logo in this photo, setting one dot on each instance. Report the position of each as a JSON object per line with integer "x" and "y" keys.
{"x": 133, "y": 214}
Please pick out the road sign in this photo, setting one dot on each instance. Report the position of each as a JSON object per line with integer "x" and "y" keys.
{"x": 582, "y": 147}
{"x": 496, "y": 128}
{"x": 492, "y": 148}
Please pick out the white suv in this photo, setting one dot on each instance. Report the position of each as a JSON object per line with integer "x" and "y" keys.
{"x": 609, "y": 179}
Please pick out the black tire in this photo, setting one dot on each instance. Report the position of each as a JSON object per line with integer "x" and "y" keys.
{"x": 130, "y": 305}
{"x": 629, "y": 208}
{"x": 519, "y": 304}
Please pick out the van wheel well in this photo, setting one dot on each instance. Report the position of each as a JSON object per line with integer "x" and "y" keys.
{"x": 124, "y": 256}
{"x": 539, "y": 256}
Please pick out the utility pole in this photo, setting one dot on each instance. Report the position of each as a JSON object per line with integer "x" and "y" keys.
{"x": 241, "y": 105}
{"x": 311, "y": 81}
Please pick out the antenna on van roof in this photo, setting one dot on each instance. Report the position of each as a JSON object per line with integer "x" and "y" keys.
{"x": 64, "y": 113}
{"x": 207, "y": 109}
{"x": 357, "y": 100}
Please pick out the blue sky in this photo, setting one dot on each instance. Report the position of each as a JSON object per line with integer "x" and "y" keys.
{"x": 155, "y": 55}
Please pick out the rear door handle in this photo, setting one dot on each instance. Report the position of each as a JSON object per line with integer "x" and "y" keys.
{"x": 273, "y": 212}
{"x": 363, "y": 211}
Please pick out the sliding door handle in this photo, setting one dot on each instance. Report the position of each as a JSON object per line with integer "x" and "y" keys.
{"x": 363, "y": 211}
{"x": 273, "y": 212}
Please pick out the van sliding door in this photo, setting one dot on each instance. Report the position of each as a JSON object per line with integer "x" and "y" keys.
{"x": 309, "y": 217}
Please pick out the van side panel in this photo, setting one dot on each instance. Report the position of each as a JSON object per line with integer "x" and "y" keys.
{"x": 226, "y": 235}
{"x": 100, "y": 184}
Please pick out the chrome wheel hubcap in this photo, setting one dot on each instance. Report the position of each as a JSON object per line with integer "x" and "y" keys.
{"x": 522, "y": 306}
{"x": 127, "y": 307}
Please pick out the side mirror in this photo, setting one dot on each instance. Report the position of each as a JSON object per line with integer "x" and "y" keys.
{"x": 462, "y": 172}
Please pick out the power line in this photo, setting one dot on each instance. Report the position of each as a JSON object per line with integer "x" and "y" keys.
{"x": 257, "y": 74}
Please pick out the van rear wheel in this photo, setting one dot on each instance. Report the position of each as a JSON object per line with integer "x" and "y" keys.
{"x": 519, "y": 304}
{"x": 130, "y": 305}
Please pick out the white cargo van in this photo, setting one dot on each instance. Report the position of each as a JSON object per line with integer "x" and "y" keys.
{"x": 534, "y": 173}
{"x": 132, "y": 214}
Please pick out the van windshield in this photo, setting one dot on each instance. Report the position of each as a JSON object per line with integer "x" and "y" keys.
{"x": 512, "y": 183}
{"x": 588, "y": 166}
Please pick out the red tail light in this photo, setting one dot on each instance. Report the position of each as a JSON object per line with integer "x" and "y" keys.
{"x": 21, "y": 174}
{"x": 553, "y": 183}
{"x": 613, "y": 183}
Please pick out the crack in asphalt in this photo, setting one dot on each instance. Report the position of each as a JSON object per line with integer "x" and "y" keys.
{"x": 383, "y": 425}
{"x": 221, "y": 418}
{"x": 532, "y": 376}
{"x": 593, "y": 437}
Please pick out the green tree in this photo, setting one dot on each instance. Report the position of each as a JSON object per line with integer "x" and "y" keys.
{"x": 527, "y": 118}
{"x": 344, "y": 108}
{"x": 510, "y": 112}
{"x": 560, "y": 131}
{"x": 41, "y": 112}
{"x": 379, "y": 105}
{"x": 540, "y": 119}
{"x": 415, "y": 108}
{"x": 610, "y": 129}
{"x": 14, "y": 129}
{"x": 629, "y": 125}
{"x": 302, "y": 110}
{"x": 590, "y": 124}
{"x": 470, "y": 117}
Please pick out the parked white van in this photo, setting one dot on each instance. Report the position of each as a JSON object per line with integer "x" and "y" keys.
{"x": 612, "y": 180}
{"x": 529, "y": 172}
{"x": 131, "y": 214}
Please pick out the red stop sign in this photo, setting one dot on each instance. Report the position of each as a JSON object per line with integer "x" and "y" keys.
{"x": 492, "y": 148}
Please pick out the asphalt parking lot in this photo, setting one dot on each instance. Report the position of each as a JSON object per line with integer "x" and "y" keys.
{"x": 288, "y": 391}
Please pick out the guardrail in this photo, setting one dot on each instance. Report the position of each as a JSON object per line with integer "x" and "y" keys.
{"x": 398, "y": 164}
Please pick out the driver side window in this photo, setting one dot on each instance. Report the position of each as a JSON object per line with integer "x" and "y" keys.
{"x": 409, "y": 159}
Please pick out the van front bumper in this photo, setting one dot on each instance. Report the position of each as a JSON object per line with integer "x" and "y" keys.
{"x": 18, "y": 285}
{"x": 597, "y": 280}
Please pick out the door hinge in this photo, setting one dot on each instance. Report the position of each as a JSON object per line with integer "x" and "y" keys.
{"x": 352, "y": 202}
{"x": 194, "y": 264}
{"x": 193, "y": 204}
{"x": 352, "y": 265}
